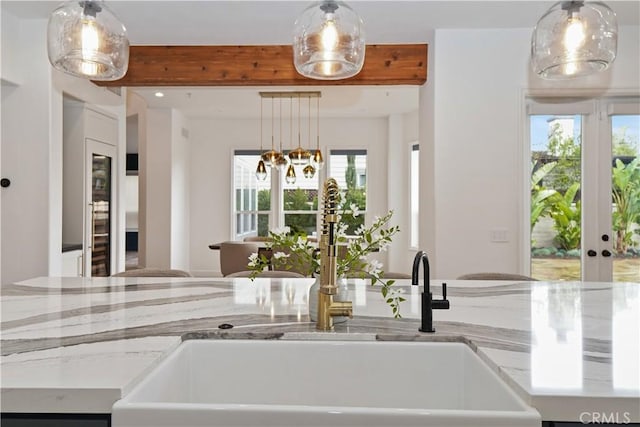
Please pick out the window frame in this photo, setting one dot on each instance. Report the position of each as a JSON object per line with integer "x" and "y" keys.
{"x": 234, "y": 234}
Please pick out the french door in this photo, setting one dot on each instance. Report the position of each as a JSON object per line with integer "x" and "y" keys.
{"x": 584, "y": 204}
{"x": 99, "y": 224}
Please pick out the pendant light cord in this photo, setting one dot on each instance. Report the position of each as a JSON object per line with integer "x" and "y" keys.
{"x": 261, "y": 130}
{"x": 281, "y": 127}
{"x": 272, "y": 146}
{"x": 299, "y": 138}
{"x": 309, "y": 115}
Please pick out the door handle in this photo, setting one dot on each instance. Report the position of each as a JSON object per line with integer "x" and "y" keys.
{"x": 591, "y": 252}
{"x": 93, "y": 223}
{"x": 606, "y": 253}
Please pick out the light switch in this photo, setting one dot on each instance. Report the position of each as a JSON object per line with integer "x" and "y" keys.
{"x": 499, "y": 235}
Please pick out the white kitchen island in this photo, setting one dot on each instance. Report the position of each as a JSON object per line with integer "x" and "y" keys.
{"x": 75, "y": 346}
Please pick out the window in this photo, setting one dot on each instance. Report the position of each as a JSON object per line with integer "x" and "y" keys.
{"x": 256, "y": 206}
{"x": 252, "y": 198}
{"x": 300, "y": 203}
{"x": 349, "y": 169}
{"x": 257, "y": 203}
{"x": 414, "y": 182}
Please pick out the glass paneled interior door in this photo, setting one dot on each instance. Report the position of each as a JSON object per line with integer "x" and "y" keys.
{"x": 99, "y": 220}
{"x": 585, "y": 190}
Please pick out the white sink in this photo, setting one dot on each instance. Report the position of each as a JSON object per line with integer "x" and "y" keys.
{"x": 322, "y": 383}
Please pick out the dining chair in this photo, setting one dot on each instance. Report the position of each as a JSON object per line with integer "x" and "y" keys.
{"x": 152, "y": 272}
{"x": 496, "y": 276}
{"x": 268, "y": 273}
{"x": 234, "y": 256}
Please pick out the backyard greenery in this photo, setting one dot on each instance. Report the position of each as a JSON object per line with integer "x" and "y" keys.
{"x": 555, "y": 192}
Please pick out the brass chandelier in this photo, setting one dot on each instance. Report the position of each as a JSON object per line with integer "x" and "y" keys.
{"x": 308, "y": 161}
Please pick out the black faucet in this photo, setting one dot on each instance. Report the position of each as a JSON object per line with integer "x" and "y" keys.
{"x": 428, "y": 303}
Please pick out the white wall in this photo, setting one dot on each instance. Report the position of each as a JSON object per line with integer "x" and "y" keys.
{"x": 166, "y": 194}
{"x": 480, "y": 80}
{"x": 180, "y": 193}
{"x": 212, "y": 143}
{"x": 25, "y": 161}
{"x": 158, "y": 184}
{"x": 32, "y": 114}
{"x": 9, "y": 71}
{"x": 136, "y": 105}
{"x": 403, "y": 131}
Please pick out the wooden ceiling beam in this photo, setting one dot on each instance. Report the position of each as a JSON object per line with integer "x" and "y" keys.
{"x": 269, "y": 65}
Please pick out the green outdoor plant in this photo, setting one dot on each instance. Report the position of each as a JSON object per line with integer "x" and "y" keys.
{"x": 567, "y": 150}
{"x": 540, "y": 195}
{"x": 294, "y": 251}
{"x": 567, "y": 217}
{"x": 300, "y": 200}
{"x": 626, "y": 199}
{"x": 353, "y": 196}
{"x": 264, "y": 204}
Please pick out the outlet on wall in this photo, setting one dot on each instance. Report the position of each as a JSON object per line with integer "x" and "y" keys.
{"x": 499, "y": 235}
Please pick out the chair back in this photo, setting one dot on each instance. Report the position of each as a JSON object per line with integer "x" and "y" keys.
{"x": 234, "y": 256}
{"x": 267, "y": 273}
{"x": 259, "y": 239}
{"x": 153, "y": 272}
{"x": 295, "y": 263}
{"x": 496, "y": 276}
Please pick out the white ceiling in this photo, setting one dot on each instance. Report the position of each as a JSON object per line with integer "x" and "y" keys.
{"x": 335, "y": 101}
{"x": 270, "y": 22}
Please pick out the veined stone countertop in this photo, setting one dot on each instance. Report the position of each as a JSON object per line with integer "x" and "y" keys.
{"x": 76, "y": 345}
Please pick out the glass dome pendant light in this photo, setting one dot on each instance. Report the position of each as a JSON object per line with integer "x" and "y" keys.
{"x": 299, "y": 156}
{"x": 85, "y": 39}
{"x": 328, "y": 41}
{"x": 317, "y": 159}
{"x": 574, "y": 39}
{"x": 309, "y": 170}
{"x": 271, "y": 157}
{"x": 261, "y": 170}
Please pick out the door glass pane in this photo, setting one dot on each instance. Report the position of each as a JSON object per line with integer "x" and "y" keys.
{"x": 555, "y": 196}
{"x": 101, "y": 216}
{"x": 625, "y": 187}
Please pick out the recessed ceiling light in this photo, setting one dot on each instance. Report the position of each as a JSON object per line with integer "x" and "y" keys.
{"x": 159, "y": 94}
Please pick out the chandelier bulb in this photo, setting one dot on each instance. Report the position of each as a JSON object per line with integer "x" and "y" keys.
{"x": 261, "y": 171}
{"x": 291, "y": 175}
{"x": 317, "y": 159}
{"x": 309, "y": 171}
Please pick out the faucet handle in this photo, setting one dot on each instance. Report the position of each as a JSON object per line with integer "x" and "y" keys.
{"x": 441, "y": 304}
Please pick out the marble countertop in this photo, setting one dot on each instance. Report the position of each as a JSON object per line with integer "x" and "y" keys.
{"x": 77, "y": 345}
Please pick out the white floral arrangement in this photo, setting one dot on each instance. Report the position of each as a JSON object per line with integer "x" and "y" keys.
{"x": 292, "y": 251}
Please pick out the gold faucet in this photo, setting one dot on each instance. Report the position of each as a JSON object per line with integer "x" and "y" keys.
{"x": 327, "y": 307}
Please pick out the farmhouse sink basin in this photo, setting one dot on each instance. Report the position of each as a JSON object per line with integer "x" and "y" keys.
{"x": 322, "y": 383}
